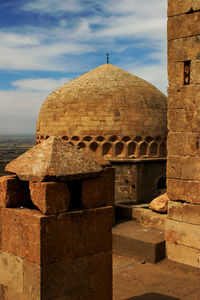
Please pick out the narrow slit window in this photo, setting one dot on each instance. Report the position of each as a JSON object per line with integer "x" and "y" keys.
{"x": 187, "y": 72}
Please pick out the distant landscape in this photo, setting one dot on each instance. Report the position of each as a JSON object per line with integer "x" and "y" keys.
{"x": 13, "y": 146}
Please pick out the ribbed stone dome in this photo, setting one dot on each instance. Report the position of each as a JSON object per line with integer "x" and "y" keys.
{"x": 109, "y": 111}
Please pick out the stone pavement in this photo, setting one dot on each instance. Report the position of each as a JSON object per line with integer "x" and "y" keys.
{"x": 166, "y": 280}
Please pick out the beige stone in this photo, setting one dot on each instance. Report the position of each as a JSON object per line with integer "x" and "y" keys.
{"x": 180, "y": 7}
{"x": 184, "y": 212}
{"x": 183, "y": 143}
{"x": 32, "y": 280}
{"x": 160, "y": 204}
{"x": 195, "y": 74}
{"x": 182, "y": 254}
{"x": 175, "y": 74}
{"x": 186, "y": 96}
{"x": 182, "y": 233}
{"x": 183, "y": 25}
{"x": 184, "y": 120}
{"x": 174, "y": 166}
{"x": 11, "y": 274}
{"x": 183, "y": 49}
{"x": 50, "y": 197}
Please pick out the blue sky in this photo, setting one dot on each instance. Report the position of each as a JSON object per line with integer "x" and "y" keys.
{"x": 45, "y": 43}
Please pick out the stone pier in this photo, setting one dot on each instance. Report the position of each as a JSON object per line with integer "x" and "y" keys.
{"x": 56, "y": 220}
{"x": 183, "y": 167}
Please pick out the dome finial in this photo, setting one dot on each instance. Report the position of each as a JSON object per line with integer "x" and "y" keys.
{"x": 107, "y": 56}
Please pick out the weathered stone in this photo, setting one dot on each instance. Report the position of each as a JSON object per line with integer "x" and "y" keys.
{"x": 184, "y": 190}
{"x": 184, "y": 49}
{"x": 32, "y": 280}
{"x": 93, "y": 192}
{"x": 175, "y": 74}
{"x": 184, "y": 212}
{"x": 187, "y": 143}
{"x": 65, "y": 277}
{"x": 182, "y": 254}
{"x": 54, "y": 158}
{"x": 184, "y": 119}
{"x": 11, "y": 274}
{"x": 89, "y": 234}
{"x": 183, "y": 25}
{"x": 13, "y": 192}
{"x": 195, "y": 74}
{"x": 174, "y": 167}
{"x": 180, "y": 7}
{"x": 101, "y": 269}
{"x": 182, "y": 233}
{"x": 186, "y": 96}
{"x": 29, "y": 234}
{"x": 160, "y": 204}
{"x": 50, "y": 197}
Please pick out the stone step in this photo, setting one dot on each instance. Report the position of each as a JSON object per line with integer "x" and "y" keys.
{"x": 142, "y": 214}
{"x": 130, "y": 239}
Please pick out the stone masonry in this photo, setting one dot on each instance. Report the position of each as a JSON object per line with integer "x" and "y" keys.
{"x": 55, "y": 226}
{"x": 183, "y": 167}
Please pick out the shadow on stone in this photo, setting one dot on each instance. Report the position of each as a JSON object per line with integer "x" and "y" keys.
{"x": 152, "y": 296}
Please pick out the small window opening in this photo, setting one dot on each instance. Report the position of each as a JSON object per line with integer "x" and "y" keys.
{"x": 187, "y": 72}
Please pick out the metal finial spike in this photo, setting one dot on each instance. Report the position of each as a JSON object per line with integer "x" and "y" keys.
{"x": 107, "y": 56}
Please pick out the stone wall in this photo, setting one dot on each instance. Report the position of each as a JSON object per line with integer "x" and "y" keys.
{"x": 55, "y": 235}
{"x": 183, "y": 167}
{"x": 139, "y": 180}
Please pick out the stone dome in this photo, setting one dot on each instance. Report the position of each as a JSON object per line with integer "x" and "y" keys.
{"x": 108, "y": 111}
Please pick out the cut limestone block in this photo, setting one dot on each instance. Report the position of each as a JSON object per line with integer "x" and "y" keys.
{"x": 182, "y": 233}
{"x": 50, "y": 197}
{"x": 174, "y": 166}
{"x": 187, "y": 143}
{"x": 13, "y": 192}
{"x": 44, "y": 239}
{"x": 175, "y": 74}
{"x": 186, "y": 96}
{"x": 183, "y": 25}
{"x": 195, "y": 74}
{"x": 183, "y": 254}
{"x": 184, "y": 119}
{"x": 181, "y": 7}
{"x": 160, "y": 204}
{"x": 183, "y": 49}
{"x": 184, "y": 212}
{"x": 185, "y": 190}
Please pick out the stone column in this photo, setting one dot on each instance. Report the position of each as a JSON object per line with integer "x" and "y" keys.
{"x": 57, "y": 244}
{"x": 183, "y": 167}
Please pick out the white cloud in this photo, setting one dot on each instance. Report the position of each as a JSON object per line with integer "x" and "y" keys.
{"x": 52, "y": 6}
{"x": 40, "y": 84}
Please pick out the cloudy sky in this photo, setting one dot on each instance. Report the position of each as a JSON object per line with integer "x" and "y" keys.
{"x": 45, "y": 43}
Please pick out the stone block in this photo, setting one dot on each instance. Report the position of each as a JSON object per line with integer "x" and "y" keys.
{"x": 190, "y": 168}
{"x": 29, "y": 234}
{"x": 184, "y": 119}
{"x": 50, "y": 197}
{"x": 182, "y": 233}
{"x": 187, "y": 96}
{"x": 181, "y": 7}
{"x": 101, "y": 270}
{"x": 32, "y": 280}
{"x": 175, "y": 211}
{"x": 185, "y": 190}
{"x": 182, "y": 254}
{"x": 11, "y": 271}
{"x": 89, "y": 234}
{"x": 184, "y": 212}
{"x": 176, "y": 74}
{"x": 65, "y": 277}
{"x": 109, "y": 177}
{"x": 183, "y": 49}
{"x": 183, "y": 25}
{"x": 13, "y": 192}
{"x": 174, "y": 166}
{"x": 93, "y": 192}
{"x": 183, "y": 143}
{"x": 195, "y": 71}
